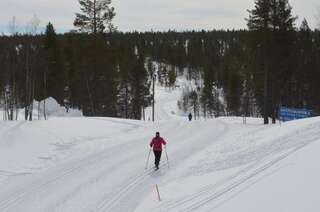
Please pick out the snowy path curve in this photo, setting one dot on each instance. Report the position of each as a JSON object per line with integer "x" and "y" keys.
{"x": 101, "y": 161}
{"x": 97, "y": 171}
{"x": 107, "y": 178}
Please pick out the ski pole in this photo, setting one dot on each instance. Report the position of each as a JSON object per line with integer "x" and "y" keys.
{"x": 148, "y": 158}
{"x": 165, "y": 148}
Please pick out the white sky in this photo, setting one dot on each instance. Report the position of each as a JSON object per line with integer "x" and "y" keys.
{"x": 149, "y": 14}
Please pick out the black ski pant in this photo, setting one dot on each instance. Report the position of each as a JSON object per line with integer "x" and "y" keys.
{"x": 157, "y": 155}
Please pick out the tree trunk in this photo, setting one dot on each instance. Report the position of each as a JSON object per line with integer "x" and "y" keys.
{"x": 126, "y": 101}
{"x": 39, "y": 108}
{"x": 94, "y": 18}
{"x": 143, "y": 113}
{"x": 153, "y": 94}
{"x": 45, "y": 95}
{"x": 265, "y": 95}
{"x": 26, "y": 104}
{"x": 266, "y": 75}
{"x": 31, "y": 100}
{"x": 90, "y": 97}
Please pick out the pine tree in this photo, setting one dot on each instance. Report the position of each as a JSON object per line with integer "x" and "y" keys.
{"x": 282, "y": 61}
{"x": 271, "y": 24}
{"x": 259, "y": 23}
{"x": 54, "y": 74}
{"x": 304, "y": 67}
{"x": 194, "y": 103}
{"x": 140, "y": 86}
{"x": 96, "y": 16}
{"x": 259, "y": 17}
{"x": 207, "y": 98}
{"x": 172, "y": 77}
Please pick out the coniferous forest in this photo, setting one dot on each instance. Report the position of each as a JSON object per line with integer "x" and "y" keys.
{"x": 105, "y": 72}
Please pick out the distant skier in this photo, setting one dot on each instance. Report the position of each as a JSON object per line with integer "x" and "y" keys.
{"x": 190, "y": 116}
{"x": 156, "y": 143}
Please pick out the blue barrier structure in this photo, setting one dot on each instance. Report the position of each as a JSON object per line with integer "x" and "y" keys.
{"x": 289, "y": 114}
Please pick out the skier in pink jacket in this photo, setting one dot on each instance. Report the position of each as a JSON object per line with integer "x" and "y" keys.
{"x": 156, "y": 143}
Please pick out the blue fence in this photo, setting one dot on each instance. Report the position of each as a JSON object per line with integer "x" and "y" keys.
{"x": 288, "y": 114}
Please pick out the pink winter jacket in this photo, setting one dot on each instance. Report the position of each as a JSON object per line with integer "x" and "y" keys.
{"x": 156, "y": 143}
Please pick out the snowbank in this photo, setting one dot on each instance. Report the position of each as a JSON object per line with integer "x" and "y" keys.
{"x": 52, "y": 108}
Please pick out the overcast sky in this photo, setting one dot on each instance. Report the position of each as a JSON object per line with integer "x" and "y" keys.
{"x": 145, "y": 15}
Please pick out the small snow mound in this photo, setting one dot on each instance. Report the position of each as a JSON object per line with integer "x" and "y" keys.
{"x": 53, "y": 109}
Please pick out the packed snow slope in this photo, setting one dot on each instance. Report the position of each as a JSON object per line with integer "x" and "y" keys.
{"x": 98, "y": 164}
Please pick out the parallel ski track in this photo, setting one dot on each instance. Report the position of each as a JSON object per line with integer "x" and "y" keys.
{"x": 18, "y": 196}
{"x": 209, "y": 193}
{"x": 109, "y": 204}
{"x": 73, "y": 168}
{"x": 189, "y": 203}
{"x": 215, "y": 195}
{"x": 35, "y": 187}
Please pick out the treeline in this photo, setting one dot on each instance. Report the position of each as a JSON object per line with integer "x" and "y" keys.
{"x": 111, "y": 74}
{"x": 231, "y": 67}
{"x": 100, "y": 75}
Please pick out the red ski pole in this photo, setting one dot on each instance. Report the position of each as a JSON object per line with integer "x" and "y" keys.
{"x": 158, "y": 192}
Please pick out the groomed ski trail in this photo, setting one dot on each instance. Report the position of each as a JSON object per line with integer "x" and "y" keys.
{"x": 111, "y": 175}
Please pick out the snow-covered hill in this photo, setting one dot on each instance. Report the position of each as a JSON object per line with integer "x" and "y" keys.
{"x": 98, "y": 164}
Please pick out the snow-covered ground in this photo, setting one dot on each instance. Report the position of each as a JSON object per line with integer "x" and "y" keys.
{"x": 98, "y": 164}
